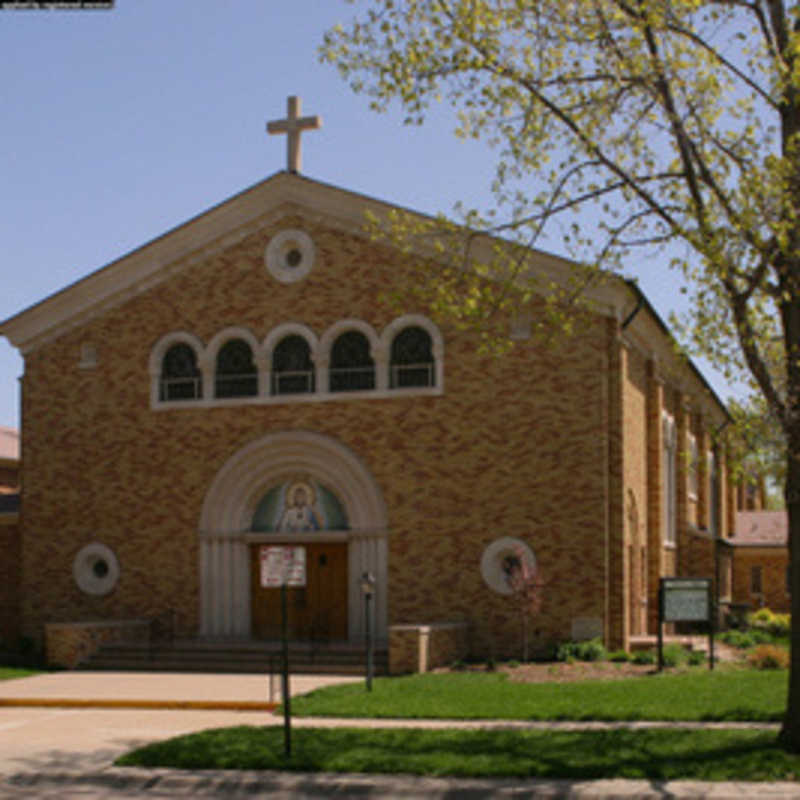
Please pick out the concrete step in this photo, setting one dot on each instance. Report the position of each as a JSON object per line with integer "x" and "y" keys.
{"x": 198, "y": 656}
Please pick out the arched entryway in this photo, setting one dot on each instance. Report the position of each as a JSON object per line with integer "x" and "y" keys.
{"x": 258, "y": 498}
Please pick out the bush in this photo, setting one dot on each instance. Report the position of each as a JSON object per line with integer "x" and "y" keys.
{"x": 591, "y": 650}
{"x": 770, "y": 623}
{"x": 643, "y": 657}
{"x": 673, "y": 655}
{"x": 739, "y": 639}
{"x": 696, "y": 657}
{"x": 769, "y": 656}
{"x": 619, "y": 656}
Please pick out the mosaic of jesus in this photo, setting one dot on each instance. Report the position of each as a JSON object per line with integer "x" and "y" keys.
{"x": 299, "y": 506}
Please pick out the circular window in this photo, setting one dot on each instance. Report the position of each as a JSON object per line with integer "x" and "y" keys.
{"x": 95, "y": 569}
{"x": 289, "y": 255}
{"x": 500, "y": 558}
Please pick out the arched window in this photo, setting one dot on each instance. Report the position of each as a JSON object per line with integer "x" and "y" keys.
{"x": 412, "y": 362}
{"x": 351, "y": 366}
{"x": 236, "y": 374}
{"x": 180, "y": 375}
{"x": 292, "y": 368}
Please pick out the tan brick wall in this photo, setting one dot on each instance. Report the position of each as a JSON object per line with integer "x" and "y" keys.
{"x": 69, "y": 645}
{"x": 513, "y": 447}
{"x": 9, "y": 479}
{"x": 420, "y": 648}
{"x": 636, "y": 487}
{"x": 9, "y": 579}
{"x": 656, "y": 568}
{"x": 773, "y": 562}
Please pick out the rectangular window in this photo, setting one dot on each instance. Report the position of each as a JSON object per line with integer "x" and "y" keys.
{"x": 756, "y": 586}
{"x": 693, "y": 467}
{"x": 669, "y": 480}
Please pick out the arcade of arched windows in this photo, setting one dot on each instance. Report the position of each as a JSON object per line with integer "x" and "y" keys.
{"x": 293, "y": 364}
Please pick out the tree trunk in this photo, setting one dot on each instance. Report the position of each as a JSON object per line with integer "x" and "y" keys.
{"x": 790, "y": 731}
{"x": 790, "y": 312}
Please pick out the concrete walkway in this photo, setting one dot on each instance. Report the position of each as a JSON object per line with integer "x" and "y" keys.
{"x": 66, "y": 750}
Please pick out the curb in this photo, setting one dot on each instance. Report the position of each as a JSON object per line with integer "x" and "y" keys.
{"x": 167, "y": 705}
{"x": 137, "y": 782}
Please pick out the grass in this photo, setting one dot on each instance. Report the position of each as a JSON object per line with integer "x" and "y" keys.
{"x": 7, "y": 673}
{"x": 697, "y": 695}
{"x": 651, "y": 754}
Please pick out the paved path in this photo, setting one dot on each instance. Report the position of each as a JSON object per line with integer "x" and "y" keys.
{"x": 57, "y": 752}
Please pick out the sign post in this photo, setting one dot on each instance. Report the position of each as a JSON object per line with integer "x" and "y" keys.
{"x": 685, "y": 600}
{"x": 282, "y": 567}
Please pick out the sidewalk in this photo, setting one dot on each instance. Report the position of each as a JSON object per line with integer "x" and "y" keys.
{"x": 60, "y": 733}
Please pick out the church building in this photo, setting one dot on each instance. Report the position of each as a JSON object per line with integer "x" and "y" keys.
{"x": 243, "y": 383}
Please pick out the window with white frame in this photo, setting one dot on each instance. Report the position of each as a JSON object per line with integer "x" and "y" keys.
{"x": 694, "y": 482}
{"x": 236, "y": 374}
{"x": 292, "y": 368}
{"x": 351, "y": 366}
{"x": 412, "y": 363}
{"x": 180, "y": 375}
{"x": 669, "y": 481}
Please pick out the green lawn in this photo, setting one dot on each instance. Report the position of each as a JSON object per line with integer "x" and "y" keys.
{"x": 14, "y": 672}
{"x": 736, "y": 694}
{"x": 651, "y": 754}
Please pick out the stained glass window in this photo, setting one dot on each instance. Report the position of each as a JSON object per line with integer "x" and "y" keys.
{"x": 236, "y": 374}
{"x": 180, "y": 376}
{"x": 351, "y": 367}
{"x": 412, "y": 362}
{"x": 292, "y": 368}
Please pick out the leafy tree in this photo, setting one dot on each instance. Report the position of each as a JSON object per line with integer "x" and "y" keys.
{"x": 661, "y": 121}
{"x": 757, "y": 448}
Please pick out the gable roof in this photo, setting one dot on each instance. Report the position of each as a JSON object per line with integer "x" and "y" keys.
{"x": 258, "y": 207}
{"x": 761, "y": 529}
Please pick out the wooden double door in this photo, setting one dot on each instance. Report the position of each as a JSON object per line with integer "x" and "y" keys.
{"x": 317, "y": 611}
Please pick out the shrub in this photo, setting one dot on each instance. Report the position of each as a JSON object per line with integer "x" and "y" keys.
{"x": 739, "y": 639}
{"x": 781, "y": 625}
{"x": 767, "y": 622}
{"x": 591, "y": 650}
{"x": 769, "y": 656}
{"x": 673, "y": 655}
{"x": 619, "y": 656}
{"x": 696, "y": 657}
{"x": 643, "y": 657}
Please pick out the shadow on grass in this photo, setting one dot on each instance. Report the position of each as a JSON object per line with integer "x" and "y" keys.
{"x": 644, "y": 754}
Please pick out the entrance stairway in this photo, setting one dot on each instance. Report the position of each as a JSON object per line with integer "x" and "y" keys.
{"x": 215, "y": 655}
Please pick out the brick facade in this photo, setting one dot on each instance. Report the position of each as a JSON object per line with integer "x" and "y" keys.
{"x": 556, "y": 445}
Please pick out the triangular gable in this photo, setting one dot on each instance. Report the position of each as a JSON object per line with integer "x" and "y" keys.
{"x": 210, "y": 232}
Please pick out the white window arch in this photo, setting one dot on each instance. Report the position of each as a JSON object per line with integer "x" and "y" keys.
{"x": 395, "y": 328}
{"x": 281, "y": 383}
{"x": 211, "y": 357}
{"x": 376, "y": 352}
{"x": 161, "y": 390}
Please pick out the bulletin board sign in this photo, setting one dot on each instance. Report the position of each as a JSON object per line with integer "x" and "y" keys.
{"x": 282, "y": 566}
{"x": 685, "y": 600}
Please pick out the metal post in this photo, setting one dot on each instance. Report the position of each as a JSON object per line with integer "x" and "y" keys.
{"x": 367, "y": 598}
{"x": 287, "y": 731}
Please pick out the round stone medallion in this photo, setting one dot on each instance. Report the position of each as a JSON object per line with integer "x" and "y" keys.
{"x": 95, "y": 569}
{"x": 499, "y": 557}
{"x": 289, "y": 256}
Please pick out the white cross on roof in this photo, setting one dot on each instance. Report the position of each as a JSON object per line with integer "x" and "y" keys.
{"x": 293, "y": 126}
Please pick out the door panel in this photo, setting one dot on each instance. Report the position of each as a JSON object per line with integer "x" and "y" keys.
{"x": 317, "y": 611}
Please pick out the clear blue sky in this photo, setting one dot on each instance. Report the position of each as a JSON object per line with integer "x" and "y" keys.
{"x": 119, "y": 125}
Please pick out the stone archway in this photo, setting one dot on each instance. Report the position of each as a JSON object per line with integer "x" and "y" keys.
{"x": 225, "y": 534}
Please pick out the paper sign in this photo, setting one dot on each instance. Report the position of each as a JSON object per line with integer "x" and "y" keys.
{"x": 282, "y": 565}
